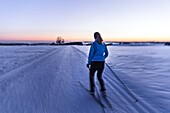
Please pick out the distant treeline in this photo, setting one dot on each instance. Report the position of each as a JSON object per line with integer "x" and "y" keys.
{"x": 20, "y": 44}
{"x": 69, "y": 43}
{"x": 167, "y": 43}
{"x": 36, "y": 44}
{"x": 86, "y": 43}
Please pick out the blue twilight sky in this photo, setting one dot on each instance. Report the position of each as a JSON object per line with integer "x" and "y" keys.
{"x": 116, "y": 20}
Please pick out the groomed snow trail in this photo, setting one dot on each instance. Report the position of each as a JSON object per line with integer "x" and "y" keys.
{"x": 49, "y": 84}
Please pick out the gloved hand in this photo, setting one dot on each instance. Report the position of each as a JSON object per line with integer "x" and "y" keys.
{"x": 87, "y": 65}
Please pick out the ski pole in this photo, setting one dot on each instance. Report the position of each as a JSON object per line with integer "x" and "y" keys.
{"x": 136, "y": 100}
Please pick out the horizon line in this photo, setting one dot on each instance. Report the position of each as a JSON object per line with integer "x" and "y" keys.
{"x": 88, "y": 40}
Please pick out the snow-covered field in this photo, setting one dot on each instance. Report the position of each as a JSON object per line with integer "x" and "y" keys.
{"x": 44, "y": 79}
{"x": 12, "y": 57}
{"x": 145, "y": 70}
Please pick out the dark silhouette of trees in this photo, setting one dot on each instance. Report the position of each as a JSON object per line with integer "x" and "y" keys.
{"x": 60, "y": 40}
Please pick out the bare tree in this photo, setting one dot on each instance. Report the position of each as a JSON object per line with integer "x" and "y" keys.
{"x": 62, "y": 41}
{"x": 59, "y": 40}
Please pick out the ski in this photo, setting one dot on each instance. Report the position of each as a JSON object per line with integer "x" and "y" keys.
{"x": 106, "y": 98}
{"x": 108, "y": 102}
{"x": 103, "y": 106}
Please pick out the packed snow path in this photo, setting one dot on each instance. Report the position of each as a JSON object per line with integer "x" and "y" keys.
{"x": 49, "y": 84}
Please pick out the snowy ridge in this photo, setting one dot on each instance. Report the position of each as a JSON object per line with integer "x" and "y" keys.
{"x": 119, "y": 96}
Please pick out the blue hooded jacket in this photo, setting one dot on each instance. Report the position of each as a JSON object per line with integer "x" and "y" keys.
{"x": 98, "y": 52}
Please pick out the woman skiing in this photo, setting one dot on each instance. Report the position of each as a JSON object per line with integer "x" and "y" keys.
{"x": 97, "y": 55}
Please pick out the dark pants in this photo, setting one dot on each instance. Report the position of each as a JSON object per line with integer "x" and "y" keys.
{"x": 96, "y": 66}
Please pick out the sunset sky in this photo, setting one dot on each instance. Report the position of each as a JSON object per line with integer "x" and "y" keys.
{"x": 77, "y": 20}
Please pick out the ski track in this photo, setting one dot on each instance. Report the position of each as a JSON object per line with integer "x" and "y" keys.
{"x": 10, "y": 73}
{"x": 49, "y": 84}
{"x": 118, "y": 96}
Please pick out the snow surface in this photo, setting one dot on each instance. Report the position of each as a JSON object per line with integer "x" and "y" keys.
{"x": 44, "y": 79}
{"x": 145, "y": 71}
{"x": 14, "y": 56}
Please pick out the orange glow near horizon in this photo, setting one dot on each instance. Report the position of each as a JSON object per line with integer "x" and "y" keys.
{"x": 80, "y": 38}
{"x": 134, "y": 21}
{"x": 77, "y": 37}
